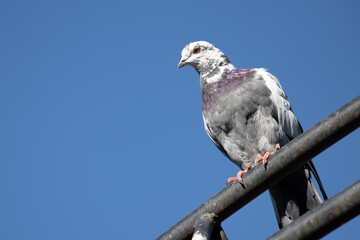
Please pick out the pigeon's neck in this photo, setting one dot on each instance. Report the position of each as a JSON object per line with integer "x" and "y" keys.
{"x": 213, "y": 72}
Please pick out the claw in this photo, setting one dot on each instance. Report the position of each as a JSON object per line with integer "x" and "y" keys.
{"x": 264, "y": 159}
{"x": 239, "y": 174}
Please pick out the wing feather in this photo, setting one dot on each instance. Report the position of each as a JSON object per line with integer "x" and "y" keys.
{"x": 286, "y": 117}
{"x": 214, "y": 139}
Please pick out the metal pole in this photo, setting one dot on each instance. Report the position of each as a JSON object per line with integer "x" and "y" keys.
{"x": 324, "y": 218}
{"x": 292, "y": 156}
{"x": 218, "y": 233}
{"x": 207, "y": 229}
{"x": 204, "y": 227}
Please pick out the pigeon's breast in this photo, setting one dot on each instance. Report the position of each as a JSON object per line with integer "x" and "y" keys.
{"x": 238, "y": 113}
{"x": 230, "y": 81}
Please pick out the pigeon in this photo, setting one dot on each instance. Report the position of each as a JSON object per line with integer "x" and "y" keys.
{"x": 248, "y": 116}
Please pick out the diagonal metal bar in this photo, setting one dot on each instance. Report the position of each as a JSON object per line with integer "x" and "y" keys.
{"x": 280, "y": 165}
{"x": 324, "y": 218}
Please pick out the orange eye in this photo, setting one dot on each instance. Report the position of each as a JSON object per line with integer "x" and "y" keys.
{"x": 196, "y": 50}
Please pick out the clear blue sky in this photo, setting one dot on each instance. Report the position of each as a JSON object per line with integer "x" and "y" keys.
{"x": 101, "y": 136}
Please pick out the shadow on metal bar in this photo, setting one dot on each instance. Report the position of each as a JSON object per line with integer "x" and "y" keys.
{"x": 289, "y": 158}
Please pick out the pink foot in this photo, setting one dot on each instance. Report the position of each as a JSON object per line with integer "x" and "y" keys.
{"x": 264, "y": 159}
{"x": 239, "y": 174}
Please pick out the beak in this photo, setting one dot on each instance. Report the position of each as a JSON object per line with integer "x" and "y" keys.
{"x": 182, "y": 62}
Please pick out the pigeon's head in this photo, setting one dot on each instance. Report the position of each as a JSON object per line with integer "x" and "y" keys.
{"x": 203, "y": 56}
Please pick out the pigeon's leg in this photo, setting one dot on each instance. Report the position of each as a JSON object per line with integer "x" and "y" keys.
{"x": 264, "y": 159}
{"x": 239, "y": 174}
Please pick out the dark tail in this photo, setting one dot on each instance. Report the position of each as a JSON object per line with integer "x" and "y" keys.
{"x": 295, "y": 195}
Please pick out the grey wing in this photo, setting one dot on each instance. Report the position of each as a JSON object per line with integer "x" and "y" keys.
{"x": 214, "y": 139}
{"x": 287, "y": 119}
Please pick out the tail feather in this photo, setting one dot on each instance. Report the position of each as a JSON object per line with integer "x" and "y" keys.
{"x": 294, "y": 196}
{"x": 312, "y": 168}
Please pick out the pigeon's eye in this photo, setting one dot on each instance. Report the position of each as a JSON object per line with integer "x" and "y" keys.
{"x": 196, "y": 50}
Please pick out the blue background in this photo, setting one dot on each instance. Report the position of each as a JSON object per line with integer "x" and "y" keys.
{"x": 101, "y": 136}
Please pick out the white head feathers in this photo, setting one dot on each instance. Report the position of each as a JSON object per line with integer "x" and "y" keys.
{"x": 207, "y": 60}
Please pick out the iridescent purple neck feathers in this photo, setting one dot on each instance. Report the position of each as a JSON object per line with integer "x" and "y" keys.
{"x": 229, "y": 81}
